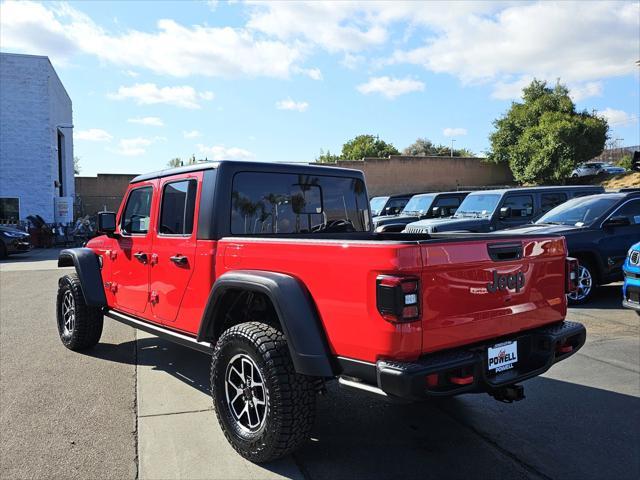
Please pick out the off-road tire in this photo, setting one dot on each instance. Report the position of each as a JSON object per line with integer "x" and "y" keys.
{"x": 290, "y": 397}
{"x": 87, "y": 324}
{"x": 587, "y": 264}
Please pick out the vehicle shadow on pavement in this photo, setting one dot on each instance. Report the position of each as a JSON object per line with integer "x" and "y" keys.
{"x": 185, "y": 364}
{"x": 562, "y": 430}
{"x": 606, "y": 297}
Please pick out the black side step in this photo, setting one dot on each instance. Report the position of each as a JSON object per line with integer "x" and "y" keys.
{"x": 159, "y": 331}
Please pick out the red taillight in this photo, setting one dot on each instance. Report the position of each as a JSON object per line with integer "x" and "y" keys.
{"x": 572, "y": 274}
{"x": 398, "y": 298}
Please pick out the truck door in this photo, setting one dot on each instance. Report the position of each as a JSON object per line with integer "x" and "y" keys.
{"x": 130, "y": 260}
{"x": 174, "y": 244}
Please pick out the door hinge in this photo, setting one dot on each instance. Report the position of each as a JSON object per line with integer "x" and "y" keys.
{"x": 154, "y": 259}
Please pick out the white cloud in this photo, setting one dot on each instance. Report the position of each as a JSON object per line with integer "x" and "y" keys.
{"x": 454, "y": 132}
{"x": 152, "y": 121}
{"x": 220, "y": 152}
{"x": 390, "y": 87}
{"x": 135, "y": 147}
{"x": 150, "y": 94}
{"x": 532, "y": 39}
{"x": 589, "y": 89}
{"x": 618, "y": 118}
{"x": 131, "y": 73}
{"x": 289, "y": 104}
{"x": 191, "y": 134}
{"x": 61, "y": 31}
{"x": 335, "y": 26}
{"x": 206, "y": 95}
{"x": 312, "y": 73}
{"x": 93, "y": 135}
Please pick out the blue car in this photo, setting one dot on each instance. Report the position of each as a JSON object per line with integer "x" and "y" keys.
{"x": 631, "y": 288}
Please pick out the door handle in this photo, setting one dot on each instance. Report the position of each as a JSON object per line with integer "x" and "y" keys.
{"x": 179, "y": 260}
{"x": 141, "y": 256}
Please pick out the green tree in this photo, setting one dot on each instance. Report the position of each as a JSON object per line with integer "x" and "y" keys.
{"x": 367, "y": 146}
{"x": 327, "y": 157}
{"x": 424, "y": 147}
{"x": 174, "y": 162}
{"x": 626, "y": 162}
{"x": 544, "y": 137}
{"x": 76, "y": 165}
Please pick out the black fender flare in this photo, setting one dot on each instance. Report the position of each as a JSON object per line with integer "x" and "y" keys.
{"x": 295, "y": 309}
{"x": 87, "y": 267}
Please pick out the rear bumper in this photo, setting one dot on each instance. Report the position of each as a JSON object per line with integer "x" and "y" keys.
{"x": 465, "y": 370}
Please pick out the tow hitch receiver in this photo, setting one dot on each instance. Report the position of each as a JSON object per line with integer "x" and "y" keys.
{"x": 508, "y": 394}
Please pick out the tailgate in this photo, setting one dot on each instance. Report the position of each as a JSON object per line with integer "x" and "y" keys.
{"x": 475, "y": 290}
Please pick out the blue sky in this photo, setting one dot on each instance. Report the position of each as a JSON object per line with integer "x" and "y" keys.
{"x": 279, "y": 81}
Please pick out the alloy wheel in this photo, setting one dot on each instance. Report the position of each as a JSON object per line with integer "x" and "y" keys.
{"x": 68, "y": 313}
{"x": 246, "y": 393}
{"x": 585, "y": 284}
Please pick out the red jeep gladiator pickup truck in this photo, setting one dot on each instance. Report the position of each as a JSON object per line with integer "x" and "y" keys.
{"x": 275, "y": 270}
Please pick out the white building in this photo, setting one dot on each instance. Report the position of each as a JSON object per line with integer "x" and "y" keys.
{"x": 36, "y": 141}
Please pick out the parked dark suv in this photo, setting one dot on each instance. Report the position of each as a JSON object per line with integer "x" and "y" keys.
{"x": 391, "y": 205}
{"x": 13, "y": 240}
{"x": 599, "y": 231}
{"x": 420, "y": 207}
{"x": 490, "y": 210}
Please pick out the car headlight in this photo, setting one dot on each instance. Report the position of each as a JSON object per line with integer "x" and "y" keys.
{"x": 13, "y": 235}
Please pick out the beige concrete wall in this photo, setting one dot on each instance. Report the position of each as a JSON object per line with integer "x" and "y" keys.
{"x": 402, "y": 174}
{"x": 104, "y": 190}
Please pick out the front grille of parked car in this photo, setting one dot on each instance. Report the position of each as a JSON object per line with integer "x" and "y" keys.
{"x": 634, "y": 259}
{"x": 411, "y": 229}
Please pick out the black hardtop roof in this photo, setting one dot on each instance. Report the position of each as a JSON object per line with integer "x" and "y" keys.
{"x": 269, "y": 167}
{"x": 560, "y": 188}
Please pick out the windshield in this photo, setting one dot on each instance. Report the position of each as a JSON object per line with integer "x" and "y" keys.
{"x": 579, "y": 211}
{"x": 418, "y": 204}
{"x": 478, "y": 205}
{"x": 377, "y": 203}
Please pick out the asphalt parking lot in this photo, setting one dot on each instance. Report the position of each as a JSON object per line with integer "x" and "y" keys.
{"x": 138, "y": 407}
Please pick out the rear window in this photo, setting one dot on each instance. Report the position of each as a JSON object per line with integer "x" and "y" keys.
{"x": 276, "y": 203}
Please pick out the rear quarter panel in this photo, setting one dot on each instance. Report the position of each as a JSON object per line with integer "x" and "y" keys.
{"x": 340, "y": 277}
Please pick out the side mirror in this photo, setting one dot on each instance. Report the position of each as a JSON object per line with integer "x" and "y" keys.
{"x": 620, "y": 221}
{"x": 505, "y": 212}
{"x": 436, "y": 212}
{"x": 106, "y": 223}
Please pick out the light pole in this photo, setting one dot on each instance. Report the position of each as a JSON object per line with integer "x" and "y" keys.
{"x": 452, "y": 140}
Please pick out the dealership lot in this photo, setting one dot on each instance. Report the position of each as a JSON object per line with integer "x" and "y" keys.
{"x": 137, "y": 406}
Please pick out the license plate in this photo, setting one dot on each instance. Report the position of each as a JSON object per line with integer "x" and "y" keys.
{"x": 502, "y": 356}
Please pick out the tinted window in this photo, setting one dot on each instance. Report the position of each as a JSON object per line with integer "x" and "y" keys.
{"x": 447, "y": 205}
{"x": 521, "y": 205}
{"x": 395, "y": 205}
{"x": 271, "y": 203}
{"x": 550, "y": 200}
{"x": 9, "y": 209}
{"x": 178, "y": 204}
{"x": 579, "y": 211}
{"x": 136, "y": 213}
{"x": 631, "y": 210}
